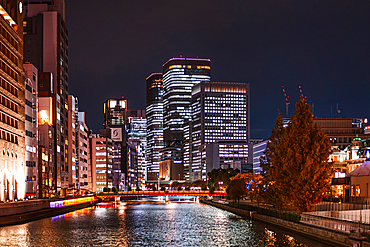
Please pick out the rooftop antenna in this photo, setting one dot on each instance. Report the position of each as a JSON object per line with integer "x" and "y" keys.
{"x": 338, "y": 111}
{"x": 286, "y": 102}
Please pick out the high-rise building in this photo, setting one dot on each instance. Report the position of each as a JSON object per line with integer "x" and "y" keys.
{"x": 46, "y": 46}
{"x": 12, "y": 115}
{"x": 154, "y": 114}
{"x": 78, "y": 148}
{"x": 31, "y": 122}
{"x": 115, "y": 121}
{"x": 83, "y": 150}
{"x": 179, "y": 76}
{"x": 101, "y": 163}
{"x": 46, "y": 138}
{"x": 73, "y": 138}
{"x": 137, "y": 134}
{"x": 220, "y": 112}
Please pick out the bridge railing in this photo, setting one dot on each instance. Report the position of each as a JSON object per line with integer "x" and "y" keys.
{"x": 160, "y": 192}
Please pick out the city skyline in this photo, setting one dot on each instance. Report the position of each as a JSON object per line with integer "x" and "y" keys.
{"x": 319, "y": 46}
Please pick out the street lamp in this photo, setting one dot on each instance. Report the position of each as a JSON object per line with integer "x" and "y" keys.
{"x": 220, "y": 183}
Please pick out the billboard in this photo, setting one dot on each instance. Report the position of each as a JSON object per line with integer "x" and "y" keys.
{"x": 45, "y": 111}
{"x": 116, "y": 134}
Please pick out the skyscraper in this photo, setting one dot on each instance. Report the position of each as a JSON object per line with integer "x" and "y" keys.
{"x": 12, "y": 114}
{"x": 179, "y": 76}
{"x": 220, "y": 112}
{"x": 154, "y": 114}
{"x": 136, "y": 133}
{"x": 46, "y": 46}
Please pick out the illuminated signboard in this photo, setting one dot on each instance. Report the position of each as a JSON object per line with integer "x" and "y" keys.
{"x": 71, "y": 202}
{"x": 45, "y": 110}
{"x": 116, "y": 134}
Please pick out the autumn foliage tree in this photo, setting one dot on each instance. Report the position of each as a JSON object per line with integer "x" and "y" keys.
{"x": 237, "y": 189}
{"x": 295, "y": 167}
{"x": 253, "y": 184}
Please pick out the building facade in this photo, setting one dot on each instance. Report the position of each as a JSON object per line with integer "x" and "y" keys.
{"x": 179, "y": 76}
{"x": 137, "y": 134}
{"x": 154, "y": 114}
{"x": 220, "y": 112}
{"x": 115, "y": 121}
{"x": 228, "y": 154}
{"x": 342, "y": 131}
{"x": 46, "y": 46}
{"x": 12, "y": 112}
{"x": 31, "y": 129}
{"x": 101, "y": 163}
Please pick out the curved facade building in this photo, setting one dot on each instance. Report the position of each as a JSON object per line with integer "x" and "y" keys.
{"x": 179, "y": 76}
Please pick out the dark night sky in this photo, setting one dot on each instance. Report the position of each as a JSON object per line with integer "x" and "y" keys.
{"x": 324, "y": 46}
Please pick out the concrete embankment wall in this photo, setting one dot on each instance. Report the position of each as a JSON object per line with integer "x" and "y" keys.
{"x": 21, "y": 218}
{"x": 23, "y": 207}
{"x": 335, "y": 238}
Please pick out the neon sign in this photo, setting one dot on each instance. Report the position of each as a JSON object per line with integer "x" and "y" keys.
{"x": 71, "y": 202}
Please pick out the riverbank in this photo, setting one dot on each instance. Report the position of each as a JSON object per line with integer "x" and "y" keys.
{"x": 335, "y": 238}
{"x": 23, "y": 212}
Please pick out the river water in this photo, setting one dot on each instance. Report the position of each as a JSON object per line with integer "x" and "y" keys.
{"x": 172, "y": 224}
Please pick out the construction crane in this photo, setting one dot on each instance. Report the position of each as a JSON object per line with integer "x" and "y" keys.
{"x": 301, "y": 93}
{"x": 286, "y": 102}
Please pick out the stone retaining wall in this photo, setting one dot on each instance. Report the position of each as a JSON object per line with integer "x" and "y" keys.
{"x": 326, "y": 235}
{"x": 23, "y": 206}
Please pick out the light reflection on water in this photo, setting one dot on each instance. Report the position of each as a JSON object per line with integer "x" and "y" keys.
{"x": 140, "y": 225}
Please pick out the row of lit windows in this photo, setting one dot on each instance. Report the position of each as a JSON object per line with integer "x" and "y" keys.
{"x": 8, "y": 87}
{"x": 8, "y": 103}
{"x": 8, "y": 37}
{"x": 9, "y": 120}
{"x": 9, "y": 137}
{"x": 8, "y": 70}
{"x": 8, "y": 53}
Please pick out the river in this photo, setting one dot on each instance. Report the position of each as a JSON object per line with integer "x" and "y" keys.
{"x": 172, "y": 224}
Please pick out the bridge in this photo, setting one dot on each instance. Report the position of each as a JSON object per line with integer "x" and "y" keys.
{"x": 148, "y": 193}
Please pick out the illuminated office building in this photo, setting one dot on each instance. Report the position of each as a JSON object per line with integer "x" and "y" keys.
{"x": 31, "y": 137}
{"x": 154, "y": 114}
{"x": 115, "y": 114}
{"x": 46, "y": 135}
{"x": 179, "y": 76}
{"x": 46, "y": 46}
{"x": 220, "y": 112}
{"x": 101, "y": 163}
{"x": 137, "y": 134}
{"x": 78, "y": 148}
{"x": 12, "y": 112}
{"x": 83, "y": 149}
{"x": 228, "y": 154}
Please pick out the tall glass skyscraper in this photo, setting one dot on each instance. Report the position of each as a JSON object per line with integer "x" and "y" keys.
{"x": 154, "y": 114}
{"x": 179, "y": 76}
{"x": 220, "y": 112}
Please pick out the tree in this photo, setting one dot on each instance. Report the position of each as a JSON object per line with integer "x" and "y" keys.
{"x": 295, "y": 167}
{"x": 221, "y": 175}
{"x": 237, "y": 189}
{"x": 253, "y": 184}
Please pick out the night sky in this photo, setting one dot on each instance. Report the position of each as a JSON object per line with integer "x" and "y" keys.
{"x": 323, "y": 46}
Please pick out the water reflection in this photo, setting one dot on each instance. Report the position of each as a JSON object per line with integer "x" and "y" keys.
{"x": 169, "y": 224}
